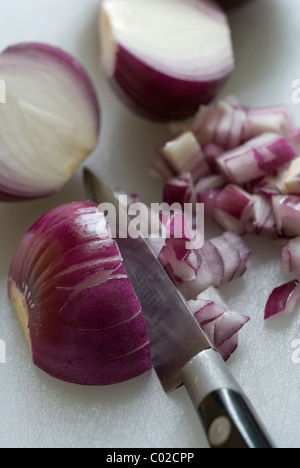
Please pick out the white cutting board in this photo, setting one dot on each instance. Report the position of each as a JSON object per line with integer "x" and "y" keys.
{"x": 38, "y": 411}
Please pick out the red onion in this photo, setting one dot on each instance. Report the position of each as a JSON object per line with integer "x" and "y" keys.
{"x": 165, "y": 57}
{"x": 236, "y": 202}
{"x": 179, "y": 190}
{"x": 77, "y": 307}
{"x": 217, "y": 262}
{"x": 253, "y": 188}
{"x": 50, "y": 122}
{"x": 182, "y": 154}
{"x": 257, "y": 157}
{"x": 286, "y": 211}
{"x": 291, "y": 178}
{"x": 282, "y": 300}
{"x": 291, "y": 258}
{"x": 229, "y": 125}
{"x": 219, "y": 323}
{"x": 263, "y": 221}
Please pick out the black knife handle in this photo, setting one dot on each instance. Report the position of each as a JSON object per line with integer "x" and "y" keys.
{"x": 229, "y": 421}
{"x": 228, "y": 418}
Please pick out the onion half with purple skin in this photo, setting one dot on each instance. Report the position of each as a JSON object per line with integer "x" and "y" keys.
{"x": 77, "y": 307}
{"x": 165, "y": 57}
{"x": 49, "y": 123}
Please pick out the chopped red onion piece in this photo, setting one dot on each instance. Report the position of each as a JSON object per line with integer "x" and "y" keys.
{"x": 263, "y": 221}
{"x": 236, "y": 202}
{"x": 182, "y": 154}
{"x": 220, "y": 324}
{"x": 294, "y": 139}
{"x": 227, "y": 222}
{"x": 291, "y": 178}
{"x": 179, "y": 190}
{"x": 291, "y": 258}
{"x": 219, "y": 261}
{"x": 208, "y": 197}
{"x": 212, "y": 152}
{"x": 229, "y": 124}
{"x": 221, "y": 125}
{"x": 287, "y": 215}
{"x": 271, "y": 184}
{"x": 270, "y": 119}
{"x": 256, "y": 158}
{"x": 283, "y": 300}
{"x": 234, "y": 253}
{"x": 211, "y": 182}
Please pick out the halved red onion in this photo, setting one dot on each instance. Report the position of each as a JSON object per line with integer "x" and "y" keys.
{"x": 165, "y": 57}
{"x": 282, "y": 301}
{"x": 49, "y": 123}
{"x": 257, "y": 157}
{"x": 77, "y": 307}
{"x": 220, "y": 324}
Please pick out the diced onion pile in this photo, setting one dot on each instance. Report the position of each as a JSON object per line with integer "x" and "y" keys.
{"x": 199, "y": 272}
{"x": 244, "y": 165}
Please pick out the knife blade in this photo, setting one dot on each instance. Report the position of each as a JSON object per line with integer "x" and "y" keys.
{"x": 181, "y": 352}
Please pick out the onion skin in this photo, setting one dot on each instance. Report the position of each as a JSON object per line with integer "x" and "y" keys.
{"x": 157, "y": 96}
{"x": 76, "y": 305}
{"x": 41, "y": 145}
{"x": 149, "y": 86}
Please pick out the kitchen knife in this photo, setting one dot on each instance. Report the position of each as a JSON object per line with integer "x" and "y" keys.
{"x": 181, "y": 352}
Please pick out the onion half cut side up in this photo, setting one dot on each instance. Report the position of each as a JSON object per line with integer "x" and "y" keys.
{"x": 49, "y": 123}
{"x": 165, "y": 57}
{"x": 77, "y": 307}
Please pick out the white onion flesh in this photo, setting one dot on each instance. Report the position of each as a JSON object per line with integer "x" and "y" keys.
{"x": 165, "y": 57}
{"x": 49, "y": 123}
